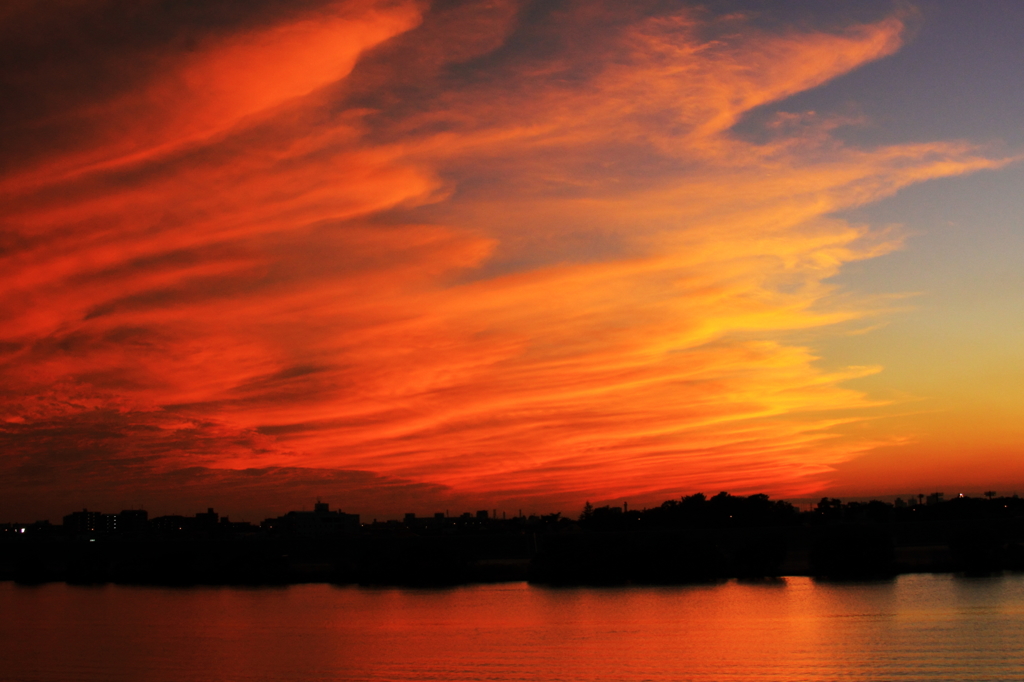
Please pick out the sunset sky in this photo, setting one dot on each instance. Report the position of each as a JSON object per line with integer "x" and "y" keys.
{"x": 416, "y": 256}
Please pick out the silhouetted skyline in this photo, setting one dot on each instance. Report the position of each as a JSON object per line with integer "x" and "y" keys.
{"x": 690, "y": 539}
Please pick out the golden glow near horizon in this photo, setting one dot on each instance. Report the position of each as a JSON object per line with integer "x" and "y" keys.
{"x": 385, "y": 251}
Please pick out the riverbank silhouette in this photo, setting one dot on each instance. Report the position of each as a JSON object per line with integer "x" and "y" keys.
{"x": 689, "y": 540}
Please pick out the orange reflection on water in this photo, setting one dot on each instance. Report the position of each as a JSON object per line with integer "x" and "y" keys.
{"x": 915, "y": 627}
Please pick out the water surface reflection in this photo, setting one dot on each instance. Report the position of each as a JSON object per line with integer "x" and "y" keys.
{"x": 926, "y": 627}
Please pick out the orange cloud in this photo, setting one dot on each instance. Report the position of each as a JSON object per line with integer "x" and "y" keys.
{"x": 512, "y": 275}
{"x": 208, "y": 88}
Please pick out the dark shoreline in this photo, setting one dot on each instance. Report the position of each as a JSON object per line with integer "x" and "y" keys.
{"x": 580, "y": 558}
{"x": 691, "y": 541}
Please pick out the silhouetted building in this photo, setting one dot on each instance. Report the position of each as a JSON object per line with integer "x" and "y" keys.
{"x": 172, "y": 523}
{"x": 320, "y": 521}
{"x": 228, "y": 525}
{"x": 207, "y": 519}
{"x": 85, "y": 521}
{"x": 108, "y": 523}
{"x": 132, "y": 520}
{"x": 22, "y": 529}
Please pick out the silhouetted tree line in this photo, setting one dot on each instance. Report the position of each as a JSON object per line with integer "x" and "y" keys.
{"x": 696, "y": 511}
{"x": 691, "y": 539}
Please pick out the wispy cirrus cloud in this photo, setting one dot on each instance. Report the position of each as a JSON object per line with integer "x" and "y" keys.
{"x": 490, "y": 251}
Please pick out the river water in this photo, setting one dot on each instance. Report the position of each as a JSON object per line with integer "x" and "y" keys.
{"x": 916, "y": 627}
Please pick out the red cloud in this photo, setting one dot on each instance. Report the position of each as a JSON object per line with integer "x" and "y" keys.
{"x": 543, "y": 274}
